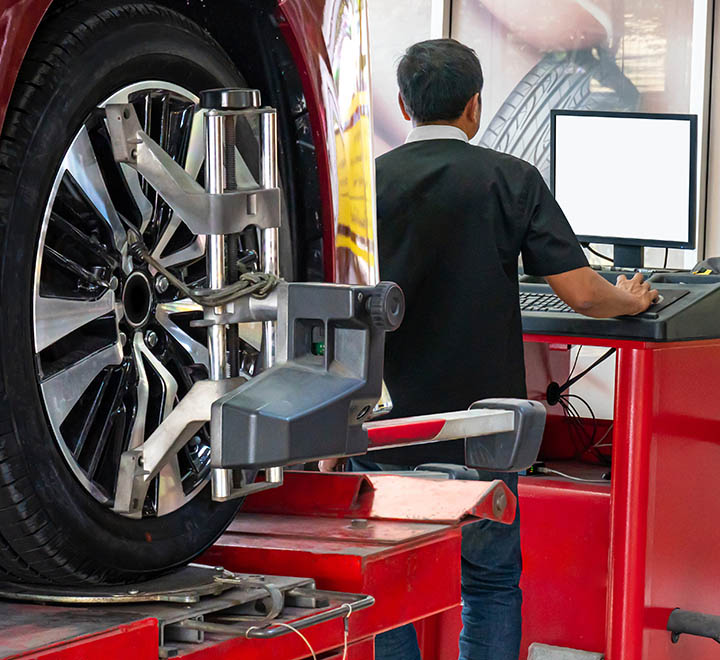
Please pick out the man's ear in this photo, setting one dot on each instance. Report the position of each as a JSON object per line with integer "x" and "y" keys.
{"x": 403, "y": 109}
{"x": 473, "y": 109}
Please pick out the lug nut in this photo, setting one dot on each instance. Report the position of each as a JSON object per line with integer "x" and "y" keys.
{"x": 151, "y": 339}
{"x": 161, "y": 284}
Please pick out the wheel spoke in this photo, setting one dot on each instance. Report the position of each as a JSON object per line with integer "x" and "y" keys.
{"x": 196, "y": 145}
{"x": 198, "y": 352}
{"x": 91, "y": 415}
{"x": 192, "y": 252}
{"x": 108, "y": 426}
{"x": 170, "y": 493}
{"x": 169, "y": 383}
{"x": 143, "y": 204}
{"x": 63, "y": 390}
{"x": 81, "y": 162}
{"x": 137, "y": 434}
{"x": 56, "y": 318}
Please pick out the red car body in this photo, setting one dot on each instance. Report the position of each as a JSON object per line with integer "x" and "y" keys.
{"x": 323, "y": 37}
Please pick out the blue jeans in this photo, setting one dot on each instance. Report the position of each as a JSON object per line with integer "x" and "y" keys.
{"x": 491, "y": 596}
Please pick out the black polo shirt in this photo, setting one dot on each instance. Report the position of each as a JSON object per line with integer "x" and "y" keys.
{"x": 453, "y": 219}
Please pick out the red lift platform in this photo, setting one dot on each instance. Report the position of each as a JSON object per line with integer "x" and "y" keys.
{"x": 372, "y": 551}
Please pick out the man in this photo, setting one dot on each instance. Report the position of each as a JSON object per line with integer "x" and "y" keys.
{"x": 452, "y": 221}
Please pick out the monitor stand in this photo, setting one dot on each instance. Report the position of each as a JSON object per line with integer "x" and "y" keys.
{"x": 629, "y": 256}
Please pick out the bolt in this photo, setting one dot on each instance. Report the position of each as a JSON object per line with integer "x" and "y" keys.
{"x": 113, "y": 283}
{"x": 363, "y": 412}
{"x": 499, "y": 502}
{"x": 360, "y": 296}
{"x": 133, "y": 154}
{"x": 123, "y": 338}
{"x": 359, "y": 523}
{"x": 151, "y": 339}
{"x": 161, "y": 284}
{"x": 133, "y": 592}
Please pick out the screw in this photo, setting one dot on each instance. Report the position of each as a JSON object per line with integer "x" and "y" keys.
{"x": 360, "y": 296}
{"x": 363, "y": 412}
{"x": 133, "y": 154}
{"x": 123, "y": 338}
{"x": 113, "y": 283}
{"x": 133, "y": 592}
{"x": 151, "y": 339}
{"x": 499, "y": 503}
{"x": 161, "y": 284}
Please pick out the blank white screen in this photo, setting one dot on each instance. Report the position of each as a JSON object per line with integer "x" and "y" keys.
{"x": 624, "y": 177}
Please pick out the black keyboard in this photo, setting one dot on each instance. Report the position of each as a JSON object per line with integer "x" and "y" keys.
{"x": 688, "y": 308}
{"x": 542, "y": 302}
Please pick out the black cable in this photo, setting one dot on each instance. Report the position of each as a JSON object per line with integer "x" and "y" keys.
{"x": 590, "y": 410}
{"x": 600, "y": 360}
{"x": 667, "y": 253}
{"x": 597, "y": 254}
{"x": 579, "y": 435}
{"x": 554, "y": 390}
{"x": 577, "y": 357}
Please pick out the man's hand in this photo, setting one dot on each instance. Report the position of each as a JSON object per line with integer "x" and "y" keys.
{"x": 639, "y": 289}
{"x": 592, "y": 295}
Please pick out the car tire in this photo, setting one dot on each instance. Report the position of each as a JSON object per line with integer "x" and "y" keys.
{"x": 52, "y": 528}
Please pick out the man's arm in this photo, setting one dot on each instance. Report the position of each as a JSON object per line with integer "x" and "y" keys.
{"x": 592, "y": 295}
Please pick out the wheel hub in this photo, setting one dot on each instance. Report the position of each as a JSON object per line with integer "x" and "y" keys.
{"x": 137, "y": 299}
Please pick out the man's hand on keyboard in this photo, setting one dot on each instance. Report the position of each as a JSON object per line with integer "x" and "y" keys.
{"x": 639, "y": 289}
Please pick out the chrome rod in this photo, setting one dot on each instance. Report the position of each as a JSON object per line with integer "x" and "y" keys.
{"x": 215, "y": 184}
{"x": 270, "y": 252}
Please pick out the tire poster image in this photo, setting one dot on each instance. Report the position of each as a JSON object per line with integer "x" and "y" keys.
{"x": 538, "y": 55}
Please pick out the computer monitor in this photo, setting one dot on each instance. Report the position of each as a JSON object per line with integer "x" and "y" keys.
{"x": 628, "y": 179}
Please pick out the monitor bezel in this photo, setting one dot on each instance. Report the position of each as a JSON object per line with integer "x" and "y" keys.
{"x": 691, "y": 243}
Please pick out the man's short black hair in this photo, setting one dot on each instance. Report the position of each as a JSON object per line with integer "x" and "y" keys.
{"x": 437, "y": 78}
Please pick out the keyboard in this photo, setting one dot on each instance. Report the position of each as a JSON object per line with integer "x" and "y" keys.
{"x": 688, "y": 308}
{"x": 542, "y": 302}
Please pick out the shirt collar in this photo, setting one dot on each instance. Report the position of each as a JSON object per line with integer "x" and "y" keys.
{"x": 436, "y": 132}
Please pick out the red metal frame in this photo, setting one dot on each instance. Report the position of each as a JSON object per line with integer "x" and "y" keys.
{"x": 661, "y": 550}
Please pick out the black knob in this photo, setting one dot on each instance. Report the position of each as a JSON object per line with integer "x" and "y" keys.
{"x": 229, "y": 99}
{"x": 386, "y": 306}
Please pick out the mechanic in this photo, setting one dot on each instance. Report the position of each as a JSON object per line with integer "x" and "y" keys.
{"x": 453, "y": 220}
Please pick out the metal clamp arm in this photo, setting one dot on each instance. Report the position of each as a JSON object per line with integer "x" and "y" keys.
{"x": 202, "y": 212}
